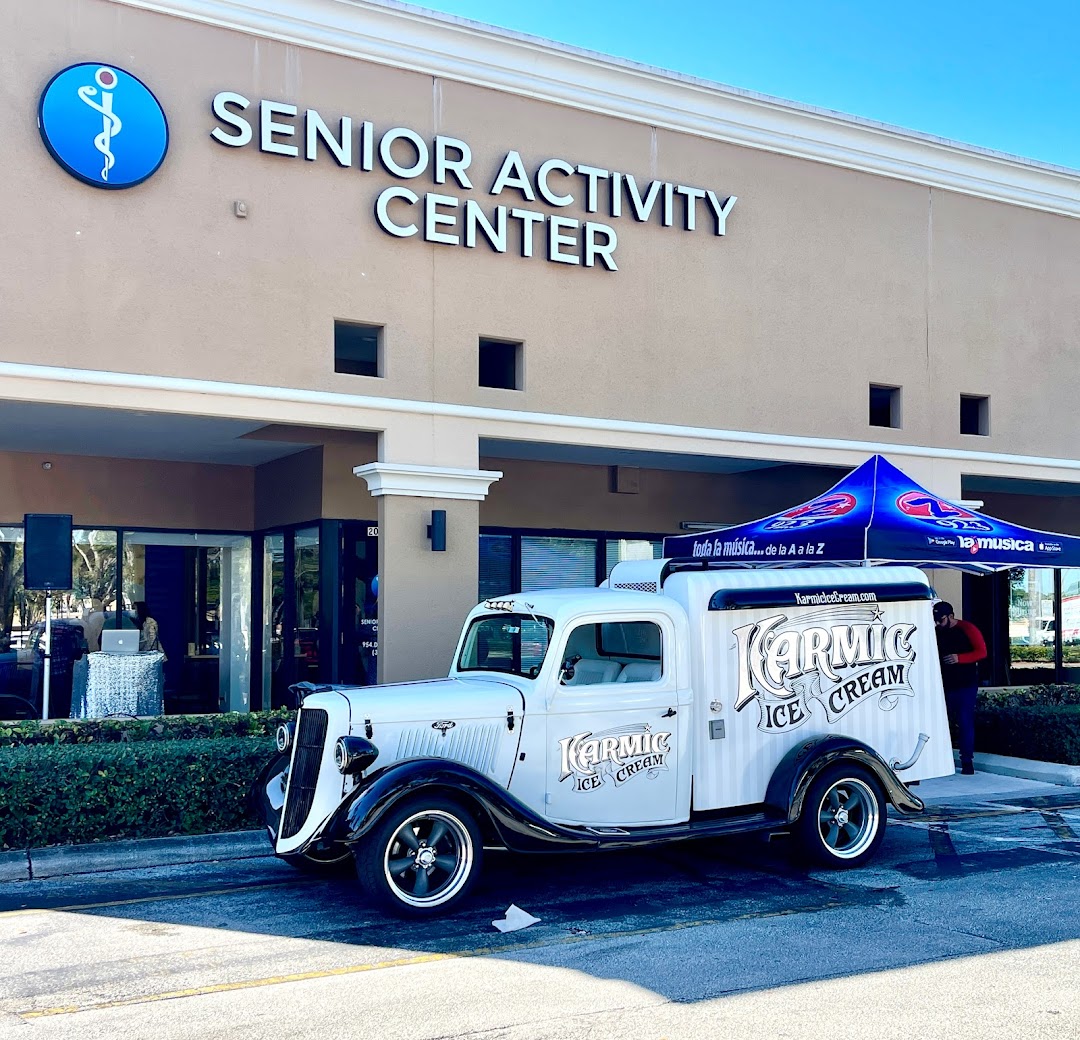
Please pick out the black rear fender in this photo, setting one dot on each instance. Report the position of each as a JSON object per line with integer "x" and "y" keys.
{"x": 797, "y": 770}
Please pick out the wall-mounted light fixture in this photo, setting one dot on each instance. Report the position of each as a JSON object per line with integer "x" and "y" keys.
{"x": 702, "y": 525}
{"x": 437, "y": 530}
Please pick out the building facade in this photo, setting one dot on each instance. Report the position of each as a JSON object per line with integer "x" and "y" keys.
{"x": 281, "y": 281}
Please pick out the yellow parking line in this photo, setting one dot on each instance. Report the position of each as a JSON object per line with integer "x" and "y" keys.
{"x": 143, "y": 899}
{"x": 402, "y": 962}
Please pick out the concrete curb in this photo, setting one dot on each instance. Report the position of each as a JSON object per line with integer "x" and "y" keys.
{"x": 1027, "y": 769}
{"x": 14, "y": 866}
{"x": 60, "y": 860}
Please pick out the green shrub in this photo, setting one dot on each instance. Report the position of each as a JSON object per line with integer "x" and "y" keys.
{"x": 54, "y": 794}
{"x": 1040, "y": 731}
{"x": 166, "y": 727}
{"x": 1020, "y": 696}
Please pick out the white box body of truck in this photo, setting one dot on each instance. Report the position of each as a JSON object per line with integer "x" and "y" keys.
{"x": 780, "y": 655}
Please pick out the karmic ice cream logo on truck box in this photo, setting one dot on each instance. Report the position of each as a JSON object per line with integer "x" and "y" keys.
{"x": 837, "y": 658}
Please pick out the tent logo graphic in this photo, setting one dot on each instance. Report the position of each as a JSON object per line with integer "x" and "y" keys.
{"x": 819, "y": 511}
{"x": 922, "y": 506}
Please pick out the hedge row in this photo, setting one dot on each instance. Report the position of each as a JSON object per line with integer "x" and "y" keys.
{"x": 1047, "y": 695}
{"x": 1043, "y": 732}
{"x": 167, "y": 727}
{"x": 75, "y": 793}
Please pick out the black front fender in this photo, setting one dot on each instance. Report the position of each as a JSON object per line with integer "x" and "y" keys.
{"x": 511, "y": 822}
{"x": 797, "y": 770}
{"x": 260, "y": 805}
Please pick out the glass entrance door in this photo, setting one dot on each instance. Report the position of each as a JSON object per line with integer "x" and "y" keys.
{"x": 359, "y": 604}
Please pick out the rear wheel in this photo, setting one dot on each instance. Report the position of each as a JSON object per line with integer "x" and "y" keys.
{"x": 843, "y": 818}
{"x": 421, "y": 858}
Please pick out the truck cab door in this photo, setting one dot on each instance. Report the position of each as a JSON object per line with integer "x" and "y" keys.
{"x": 617, "y": 732}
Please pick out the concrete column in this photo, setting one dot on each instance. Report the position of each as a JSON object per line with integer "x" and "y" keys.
{"x": 424, "y": 595}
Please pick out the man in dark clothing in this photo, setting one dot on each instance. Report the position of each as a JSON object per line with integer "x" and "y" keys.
{"x": 960, "y": 647}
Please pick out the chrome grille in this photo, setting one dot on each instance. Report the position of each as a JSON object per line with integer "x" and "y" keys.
{"x": 304, "y": 773}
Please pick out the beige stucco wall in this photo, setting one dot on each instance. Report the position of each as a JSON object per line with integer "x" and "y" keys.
{"x": 565, "y": 495}
{"x": 127, "y": 492}
{"x": 289, "y": 490}
{"x": 344, "y": 495}
{"x": 829, "y": 279}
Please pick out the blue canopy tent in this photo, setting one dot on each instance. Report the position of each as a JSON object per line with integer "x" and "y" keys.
{"x": 878, "y": 514}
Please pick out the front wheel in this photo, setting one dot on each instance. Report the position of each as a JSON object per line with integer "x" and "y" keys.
{"x": 330, "y": 862}
{"x": 843, "y": 818}
{"x": 421, "y": 858}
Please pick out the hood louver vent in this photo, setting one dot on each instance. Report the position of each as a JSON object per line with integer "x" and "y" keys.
{"x": 473, "y": 744}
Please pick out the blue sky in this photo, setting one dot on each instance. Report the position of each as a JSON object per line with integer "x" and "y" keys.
{"x": 997, "y": 75}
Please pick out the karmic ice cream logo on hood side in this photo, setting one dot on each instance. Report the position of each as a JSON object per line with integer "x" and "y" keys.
{"x": 838, "y": 657}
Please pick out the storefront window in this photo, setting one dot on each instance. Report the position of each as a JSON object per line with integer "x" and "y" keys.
{"x": 1070, "y": 624}
{"x": 519, "y": 562}
{"x": 197, "y": 588}
{"x": 273, "y": 618}
{"x": 15, "y": 621}
{"x": 557, "y": 563}
{"x": 306, "y": 555}
{"x": 620, "y": 549}
{"x": 78, "y": 615}
{"x": 496, "y": 566}
{"x": 1032, "y": 626}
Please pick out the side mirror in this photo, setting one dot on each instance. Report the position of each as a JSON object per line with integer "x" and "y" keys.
{"x": 567, "y": 672}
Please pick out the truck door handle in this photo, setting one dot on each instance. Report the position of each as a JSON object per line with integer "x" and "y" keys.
{"x": 669, "y": 713}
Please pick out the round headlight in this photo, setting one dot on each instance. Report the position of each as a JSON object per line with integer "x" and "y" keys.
{"x": 284, "y": 736}
{"x": 352, "y": 755}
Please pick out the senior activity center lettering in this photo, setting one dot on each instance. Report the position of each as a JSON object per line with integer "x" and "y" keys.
{"x": 448, "y": 217}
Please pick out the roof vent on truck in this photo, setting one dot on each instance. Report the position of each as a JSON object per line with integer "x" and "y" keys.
{"x": 638, "y": 575}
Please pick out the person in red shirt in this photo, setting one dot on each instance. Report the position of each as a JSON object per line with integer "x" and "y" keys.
{"x": 960, "y": 647}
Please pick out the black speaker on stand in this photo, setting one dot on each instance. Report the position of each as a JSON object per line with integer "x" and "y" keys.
{"x": 47, "y": 568}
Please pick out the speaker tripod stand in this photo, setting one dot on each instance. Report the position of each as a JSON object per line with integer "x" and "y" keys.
{"x": 47, "y": 662}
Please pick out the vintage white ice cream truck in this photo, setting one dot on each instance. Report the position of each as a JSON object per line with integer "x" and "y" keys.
{"x": 678, "y": 701}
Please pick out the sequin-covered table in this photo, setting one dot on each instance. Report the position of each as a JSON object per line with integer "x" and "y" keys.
{"x": 121, "y": 684}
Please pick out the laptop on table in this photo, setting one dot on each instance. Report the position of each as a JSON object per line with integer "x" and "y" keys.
{"x": 120, "y": 641}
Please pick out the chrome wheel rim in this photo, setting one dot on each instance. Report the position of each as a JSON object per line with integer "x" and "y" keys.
{"x": 848, "y": 818}
{"x": 428, "y": 859}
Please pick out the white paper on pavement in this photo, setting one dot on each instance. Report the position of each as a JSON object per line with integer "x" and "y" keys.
{"x": 515, "y": 918}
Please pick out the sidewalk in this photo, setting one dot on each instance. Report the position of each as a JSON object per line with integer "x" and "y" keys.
{"x": 997, "y": 779}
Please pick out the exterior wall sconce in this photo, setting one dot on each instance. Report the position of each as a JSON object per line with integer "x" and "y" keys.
{"x": 437, "y": 530}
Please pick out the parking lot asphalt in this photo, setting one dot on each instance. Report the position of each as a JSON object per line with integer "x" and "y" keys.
{"x": 966, "y": 925}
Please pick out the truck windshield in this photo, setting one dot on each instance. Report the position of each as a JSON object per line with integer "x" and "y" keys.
{"x": 514, "y": 643}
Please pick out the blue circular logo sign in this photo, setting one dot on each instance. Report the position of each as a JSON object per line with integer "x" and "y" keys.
{"x": 103, "y": 125}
